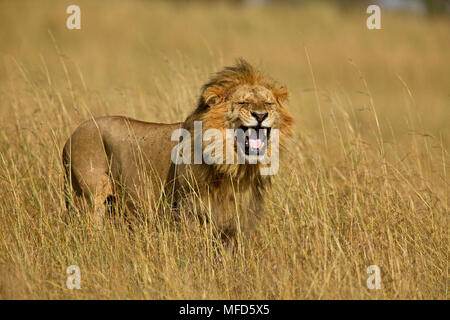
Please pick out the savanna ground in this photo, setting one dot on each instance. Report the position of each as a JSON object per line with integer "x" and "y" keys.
{"x": 366, "y": 184}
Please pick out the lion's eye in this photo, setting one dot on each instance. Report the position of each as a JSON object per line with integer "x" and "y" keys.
{"x": 242, "y": 103}
{"x": 269, "y": 103}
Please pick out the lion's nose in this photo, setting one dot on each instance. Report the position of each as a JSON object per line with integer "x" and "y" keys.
{"x": 260, "y": 116}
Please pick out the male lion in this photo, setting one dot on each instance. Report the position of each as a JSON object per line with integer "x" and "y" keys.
{"x": 109, "y": 151}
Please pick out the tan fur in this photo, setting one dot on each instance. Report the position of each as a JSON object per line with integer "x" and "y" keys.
{"x": 105, "y": 150}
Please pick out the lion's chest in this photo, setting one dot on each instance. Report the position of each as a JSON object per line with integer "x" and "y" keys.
{"x": 231, "y": 210}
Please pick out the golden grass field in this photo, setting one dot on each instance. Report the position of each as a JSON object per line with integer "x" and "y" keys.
{"x": 366, "y": 183}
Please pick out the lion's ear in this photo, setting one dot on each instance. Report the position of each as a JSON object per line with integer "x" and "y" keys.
{"x": 212, "y": 96}
{"x": 213, "y": 100}
{"x": 280, "y": 93}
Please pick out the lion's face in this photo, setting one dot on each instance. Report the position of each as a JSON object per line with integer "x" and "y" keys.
{"x": 242, "y": 116}
{"x": 252, "y": 112}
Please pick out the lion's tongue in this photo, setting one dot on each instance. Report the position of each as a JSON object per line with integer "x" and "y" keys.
{"x": 254, "y": 141}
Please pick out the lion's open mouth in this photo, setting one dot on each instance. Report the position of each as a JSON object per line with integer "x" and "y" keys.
{"x": 255, "y": 140}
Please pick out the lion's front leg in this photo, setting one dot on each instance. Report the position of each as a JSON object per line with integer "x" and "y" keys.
{"x": 244, "y": 219}
{"x": 99, "y": 200}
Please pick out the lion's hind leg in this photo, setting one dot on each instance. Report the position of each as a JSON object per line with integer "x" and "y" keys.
{"x": 87, "y": 173}
{"x": 93, "y": 200}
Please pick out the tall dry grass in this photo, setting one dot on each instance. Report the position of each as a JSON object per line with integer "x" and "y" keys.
{"x": 366, "y": 182}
